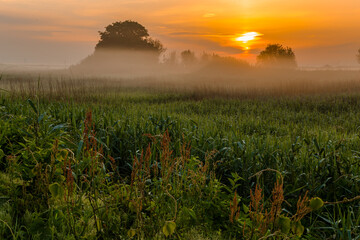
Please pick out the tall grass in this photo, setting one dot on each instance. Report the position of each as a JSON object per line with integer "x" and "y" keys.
{"x": 312, "y": 141}
{"x": 249, "y": 84}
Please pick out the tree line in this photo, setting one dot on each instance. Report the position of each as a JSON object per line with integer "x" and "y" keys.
{"x": 132, "y": 36}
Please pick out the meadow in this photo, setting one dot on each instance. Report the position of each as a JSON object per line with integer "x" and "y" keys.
{"x": 91, "y": 158}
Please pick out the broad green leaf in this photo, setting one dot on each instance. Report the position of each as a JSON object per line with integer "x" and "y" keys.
{"x": 169, "y": 228}
{"x": 284, "y": 224}
{"x": 56, "y": 190}
{"x": 297, "y": 228}
{"x": 316, "y": 203}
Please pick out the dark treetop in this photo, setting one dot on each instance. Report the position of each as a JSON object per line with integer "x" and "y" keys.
{"x": 128, "y": 35}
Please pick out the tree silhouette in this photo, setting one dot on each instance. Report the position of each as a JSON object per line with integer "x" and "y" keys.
{"x": 358, "y": 56}
{"x": 188, "y": 57}
{"x": 128, "y": 35}
{"x": 124, "y": 48}
{"x": 275, "y": 55}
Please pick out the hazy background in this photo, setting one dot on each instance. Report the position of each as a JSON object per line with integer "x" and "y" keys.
{"x": 54, "y": 32}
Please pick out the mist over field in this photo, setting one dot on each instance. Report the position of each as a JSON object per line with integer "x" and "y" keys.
{"x": 209, "y": 76}
{"x": 127, "y": 57}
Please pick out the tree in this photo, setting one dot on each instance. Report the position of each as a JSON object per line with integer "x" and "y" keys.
{"x": 128, "y": 35}
{"x": 275, "y": 55}
{"x": 358, "y": 56}
{"x": 188, "y": 57}
{"x": 124, "y": 48}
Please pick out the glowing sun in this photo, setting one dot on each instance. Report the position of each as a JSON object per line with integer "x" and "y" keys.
{"x": 248, "y": 37}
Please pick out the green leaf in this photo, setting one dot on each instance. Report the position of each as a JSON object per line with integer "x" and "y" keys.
{"x": 131, "y": 233}
{"x": 79, "y": 148}
{"x": 192, "y": 214}
{"x": 2, "y": 154}
{"x": 151, "y": 206}
{"x": 32, "y": 106}
{"x": 57, "y": 127}
{"x": 98, "y": 223}
{"x": 41, "y": 117}
{"x": 246, "y": 208}
{"x": 102, "y": 143}
{"x": 3, "y": 200}
{"x": 231, "y": 181}
{"x": 297, "y": 228}
{"x": 316, "y": 203}
{"x": 284, "y": 224}
{"x": 56, "y": 190}
{"x": 169, "y": 228}
{"x": 26, "y": 133}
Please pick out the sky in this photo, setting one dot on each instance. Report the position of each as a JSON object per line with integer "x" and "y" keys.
{"x": 63, "y": 32}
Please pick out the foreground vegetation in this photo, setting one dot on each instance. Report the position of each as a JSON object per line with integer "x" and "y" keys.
{"x": 144, "y": 165}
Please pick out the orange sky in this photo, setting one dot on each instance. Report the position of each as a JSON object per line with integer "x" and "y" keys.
{"x": 65, "y": 31}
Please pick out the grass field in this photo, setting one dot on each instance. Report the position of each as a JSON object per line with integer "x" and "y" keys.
{"x": 83, "y": 160}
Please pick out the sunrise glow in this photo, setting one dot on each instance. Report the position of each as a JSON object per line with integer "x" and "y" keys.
{"x": 249, "y": 36}
{"x": 69, "y": 29}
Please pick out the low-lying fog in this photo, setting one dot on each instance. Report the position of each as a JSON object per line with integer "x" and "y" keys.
{"x": 208, "y": 75}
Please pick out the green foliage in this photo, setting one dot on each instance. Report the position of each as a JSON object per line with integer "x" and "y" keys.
{"x": 139, "y": 162}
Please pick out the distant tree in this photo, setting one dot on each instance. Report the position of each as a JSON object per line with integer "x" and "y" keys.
{"x": 216, "y": 65}
{"x": 128, "y": 35}
{"x": 275, "y": 55}
{"x": 205, "y": 57}
{"x": 188, "y": 57}
{"x": 123, "y": 48}
{"x": 358, "y": 56}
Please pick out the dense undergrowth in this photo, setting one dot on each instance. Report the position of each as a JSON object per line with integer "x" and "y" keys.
{"x": 140, "y": 165}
